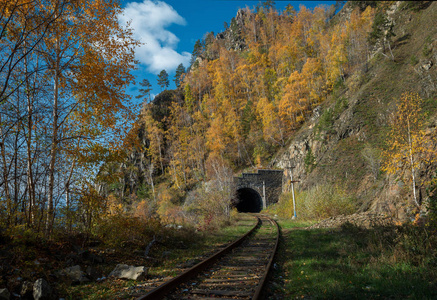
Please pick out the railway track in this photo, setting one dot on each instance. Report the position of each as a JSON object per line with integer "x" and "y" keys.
{"x": 238, "y": 271}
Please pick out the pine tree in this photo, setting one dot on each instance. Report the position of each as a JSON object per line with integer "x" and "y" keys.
{"x": 180, "y": 70}
{"x": 269, "y": 4}
{"x": 145, "y": 90}
{"x": 163, "y": 81}
{"x": 196, "y": 52}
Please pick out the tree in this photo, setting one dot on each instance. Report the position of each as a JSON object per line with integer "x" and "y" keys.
{"x": 197, "y": 51}
{"x": 290, "y": 11}
{"x": 89, "y": 57}
{"x": 180, "y": 70}
{"x": 382, "y": 28}
{"x": 268, "y": 4}
{"x": 23, "y": 25}
{"x": 145, "y": 90}
{"x": 163, "y": 81}
{"x": 63, "y": 108}
{"x": 406, "y": 139}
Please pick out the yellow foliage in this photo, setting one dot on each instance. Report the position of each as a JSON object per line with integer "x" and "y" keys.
{"x": 241, "y": 99}
{"x": 113, "y": 206}
{"x": 407, "y": 143}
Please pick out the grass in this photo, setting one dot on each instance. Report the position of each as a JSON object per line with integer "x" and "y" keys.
{"x": 175, "y": 260}
{"x": 319, "y": 202}
{"x": 208, "y": 244}
{"x": 353, "y": 263}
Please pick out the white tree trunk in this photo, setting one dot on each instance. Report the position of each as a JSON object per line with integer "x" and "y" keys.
{"x": 54, "y": 146}
{"x": 413, "y": 176}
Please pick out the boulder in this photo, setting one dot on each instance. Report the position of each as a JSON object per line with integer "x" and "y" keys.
{"x": 75, "y": 274}
{"x": 4, "y": 294}
{"x": 42, "y": 290}
{"x": 123, "y": 271}
{"x": 26, "y": 290}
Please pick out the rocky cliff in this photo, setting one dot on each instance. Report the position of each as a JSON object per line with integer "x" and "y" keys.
{"x": 342, "y": 142}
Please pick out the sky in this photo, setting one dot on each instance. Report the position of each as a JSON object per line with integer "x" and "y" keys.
{"x": 168, "y": 30}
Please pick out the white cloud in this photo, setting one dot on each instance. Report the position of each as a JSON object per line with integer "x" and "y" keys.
{"x": 149, "y": 20}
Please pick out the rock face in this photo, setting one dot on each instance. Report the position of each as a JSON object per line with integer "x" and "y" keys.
{"x": 232, "y": 35}
{"x": 4, "y": 294}
{"x": 342, "y": 143}
{"x": 42, "y": 290}
{"x": 123, "y": 271}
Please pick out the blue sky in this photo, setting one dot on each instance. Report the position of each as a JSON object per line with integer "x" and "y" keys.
{"x": 170, "y": 28}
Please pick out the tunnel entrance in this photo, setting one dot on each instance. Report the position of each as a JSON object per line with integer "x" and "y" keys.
{"x": 248, "y": 200}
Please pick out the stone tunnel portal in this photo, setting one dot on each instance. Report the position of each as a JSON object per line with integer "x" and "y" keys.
{"x": 248, "y": 200}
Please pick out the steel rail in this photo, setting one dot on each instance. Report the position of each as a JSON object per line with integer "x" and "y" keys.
{"x": 160, "y": 291}
{"x": 263, "y": 280}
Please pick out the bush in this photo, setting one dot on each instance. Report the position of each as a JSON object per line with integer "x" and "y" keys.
{"x": 320, "y": 202}
{"x": 310, "y": 161}
{"x": 119, "y": 230}
{"x": 432, "y": 206}
{"x": 328, "y": 117}
{"x": 209, "y": 206}
{"x": 414, "y": 60}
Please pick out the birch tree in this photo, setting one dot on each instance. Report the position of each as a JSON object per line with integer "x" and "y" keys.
{"x": 406, "y": 140}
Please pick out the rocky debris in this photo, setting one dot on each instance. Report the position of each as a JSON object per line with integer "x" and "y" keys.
{"x": 42, "y": 290}
{"x": 75, "y": 274}
{"x": 365, "y": 220}
{"x": 123, "y": 271}
{"x": 427, "y": 65}
{"x": 4, "y": 294}
{"x": 424, "y": 65}
{"x": 26, "y": 290}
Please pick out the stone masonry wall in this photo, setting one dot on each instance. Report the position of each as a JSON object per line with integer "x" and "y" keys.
{"x": 271, "y": 178}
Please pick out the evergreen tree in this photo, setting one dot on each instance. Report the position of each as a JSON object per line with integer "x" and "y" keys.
{"x": 163, "y": 80}
{"x": 196, "y": 52}
{"x": 265, "y": 6}
{"x": 145, "y": 90}
{"x": 234, "y": 29}
{"x": 180, "y": 70}
{"x": 269, "y": 4}
{"x": 290, "y": 11}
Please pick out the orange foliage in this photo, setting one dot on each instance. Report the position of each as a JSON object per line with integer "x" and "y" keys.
{"x": 241, "y": 104}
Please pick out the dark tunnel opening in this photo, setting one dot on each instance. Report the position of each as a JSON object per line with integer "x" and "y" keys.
{"x": 248, "y": 200}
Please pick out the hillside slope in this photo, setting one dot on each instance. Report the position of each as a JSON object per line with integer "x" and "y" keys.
{"x": 342, "y": 143}
{"x": 306, "y": 89}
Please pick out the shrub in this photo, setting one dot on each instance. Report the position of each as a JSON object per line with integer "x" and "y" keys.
{"x": 414, "y": 60}
{"x": 427, "y": 48}
{"x": 310, "y": 161}
{"x": 432, "y": 206}
{"x": 328, "y": 117}
{"x": 119, "y": 230}
{"x": 209, "y": 206}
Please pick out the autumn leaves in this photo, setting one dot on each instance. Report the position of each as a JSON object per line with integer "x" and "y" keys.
{"x": 408, "y": 143}
{"x": 241, "y": 105}
{"x": 65, "y": 65}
